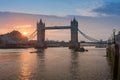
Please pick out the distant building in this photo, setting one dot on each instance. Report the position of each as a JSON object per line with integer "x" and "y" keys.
{"x": 14, "y": 37}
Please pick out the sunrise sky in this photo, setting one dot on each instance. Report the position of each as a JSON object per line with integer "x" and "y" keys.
{"x": 96, "y": 18}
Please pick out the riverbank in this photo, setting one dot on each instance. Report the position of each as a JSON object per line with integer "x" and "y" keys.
{"x": 113, "y": 53}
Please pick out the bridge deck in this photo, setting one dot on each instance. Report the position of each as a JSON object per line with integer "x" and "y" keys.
{"x": 57, "y": 27}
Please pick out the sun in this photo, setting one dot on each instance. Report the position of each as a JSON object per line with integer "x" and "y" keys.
{"x": 25, "y": 33}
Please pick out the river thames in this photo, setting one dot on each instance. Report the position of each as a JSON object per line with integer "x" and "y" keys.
{"x": 54, "y": 64}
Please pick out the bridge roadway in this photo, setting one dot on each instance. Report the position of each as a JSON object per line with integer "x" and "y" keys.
{"x": 57, "y": 27}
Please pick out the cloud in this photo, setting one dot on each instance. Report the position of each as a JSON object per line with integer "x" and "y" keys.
{"x": 109, "y": 9}
{"x": 104, "y": 9}
{"x": 23, "y": 26}
{"x": 89, "y": 12}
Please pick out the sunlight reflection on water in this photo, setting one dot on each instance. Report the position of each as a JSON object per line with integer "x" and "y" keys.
{"x": 54, "y": 64}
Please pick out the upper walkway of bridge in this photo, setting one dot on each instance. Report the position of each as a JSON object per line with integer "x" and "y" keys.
{"x": 57, "y": 27}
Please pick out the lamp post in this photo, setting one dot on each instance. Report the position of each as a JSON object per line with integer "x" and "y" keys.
{"x": 114, "y": 30}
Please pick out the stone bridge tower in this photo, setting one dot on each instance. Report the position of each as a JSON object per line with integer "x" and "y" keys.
{"x": 40, "y": 34}
{"x": 74, "y": 35}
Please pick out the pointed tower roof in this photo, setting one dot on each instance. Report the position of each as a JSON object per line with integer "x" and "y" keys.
{"x": 74, "y": 20}
{"x": 41, "y": 21}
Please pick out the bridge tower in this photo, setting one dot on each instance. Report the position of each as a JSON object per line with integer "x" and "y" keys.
{"x": 74, "y": 35}
{"x": 40, "y": 34}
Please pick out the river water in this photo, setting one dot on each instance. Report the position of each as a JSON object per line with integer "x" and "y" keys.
{"x": 54, "y": 64}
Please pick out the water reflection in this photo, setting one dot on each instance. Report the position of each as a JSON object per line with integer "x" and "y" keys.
{"x": 53, "y": 64}
{"x": 27, "y": 66}
{"x": 41, "y": 64}
{"x": 74, "y": 68}
{"x": 33, "y": 66}
{"x": 25, "y": 72}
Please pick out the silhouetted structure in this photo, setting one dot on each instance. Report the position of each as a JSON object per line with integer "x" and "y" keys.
{"x": 74, "y": 35}
{"x": 113, "y": 53}
{"x": 41, "y": 33}
{"x": 12, "y": 40}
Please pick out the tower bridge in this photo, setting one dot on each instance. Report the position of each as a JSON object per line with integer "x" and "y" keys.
{"x": 73, "y": 27}
{"x": 41, "y": 33}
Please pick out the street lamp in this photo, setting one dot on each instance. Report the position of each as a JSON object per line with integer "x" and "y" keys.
{"x": 114, "y": 30}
